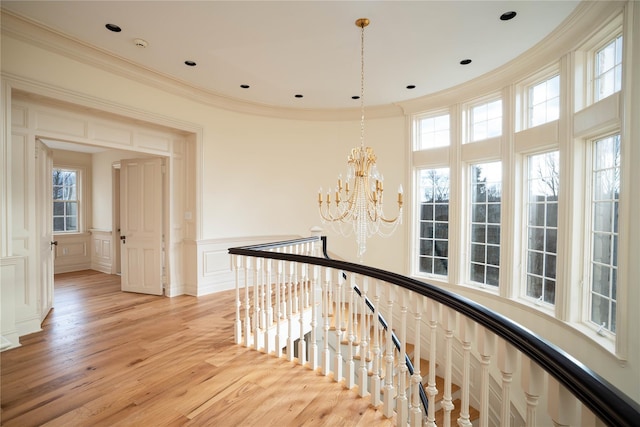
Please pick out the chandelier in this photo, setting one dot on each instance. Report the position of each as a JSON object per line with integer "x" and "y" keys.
{"x": 357, "y": 206}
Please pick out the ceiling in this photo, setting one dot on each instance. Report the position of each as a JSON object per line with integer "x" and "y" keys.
{"x": 281, "y": 49}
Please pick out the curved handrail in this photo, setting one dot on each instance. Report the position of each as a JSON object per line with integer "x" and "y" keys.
{"x": 602, "y": 398}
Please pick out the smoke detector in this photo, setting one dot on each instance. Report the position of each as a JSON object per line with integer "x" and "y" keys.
{"x": 140, "y": 43}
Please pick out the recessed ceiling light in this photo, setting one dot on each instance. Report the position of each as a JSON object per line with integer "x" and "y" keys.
{"x": 190, "y": 63}
{"x": 465, "y": 62}
{"x": 245, "y": 86}
{"x": 355, "y": 97}
{"x": 411, "y": 86}
{"x": 508, "y": 15}
{"x": 299, "y": 95}
{"x": 113, "y": 27}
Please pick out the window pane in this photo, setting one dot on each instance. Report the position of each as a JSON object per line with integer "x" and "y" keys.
{"x": 544, "y": 101}
{"x": 608, "y": 69}
{"x": 604, "y": 234}
{"x": 432, "y": 132}
{"x": 542, "y": 222}
{"x": 485, "y": 189}
{"x": 65, "y": 200}
{"x": 485, "y": 121}
{"x": 433, "y": 190}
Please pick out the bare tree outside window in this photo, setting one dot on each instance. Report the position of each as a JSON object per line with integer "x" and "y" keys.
{"x": 433, "y": 187}
{"x": 542, "y": 226}
{"x": 65, "y": 200}
{"x": 604, "y": 235}
{"x": 486, "y": 189}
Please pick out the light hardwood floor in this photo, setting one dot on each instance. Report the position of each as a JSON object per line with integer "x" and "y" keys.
{"x": 108, "y": 358}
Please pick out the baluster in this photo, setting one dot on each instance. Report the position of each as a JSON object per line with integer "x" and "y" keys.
{"x": 256, "y": 303}
{"x": 402, "y": 401}
{"x": 389, "y": 390}
{"x": 375, "y": 378}
{"x": 313, "y": 354}
{"x": 279, "y": 311}
{"x": 337, "y": 365}
{"x": 262, "y": 296}
{"x": 561, "y": 405}
{"x": 268, "y": 316}
{"x": 533, "y": 386}
{"x": 350, "y": 367}
{"x": 432, "y": 390}
{"x": 507, "y": 363}
{"x": 237, "y": 263}
{"x": 364, "y": 340}
{"x": 296, "y": 283}
{"x": 449, "y": 324}
{"x": 466, "y": 336}
{"x": 486, "y": 344}
{"x": 290, "y": 311}
{"x": 416, "y": 378}
{"x": 247, "y": 303}
{"x": 302, "y": 342}
{"x": 326, "y": 304}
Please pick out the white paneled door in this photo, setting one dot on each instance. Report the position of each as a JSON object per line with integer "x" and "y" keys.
{"x": 47, "y": 245}
{"x": 141, "y": 191}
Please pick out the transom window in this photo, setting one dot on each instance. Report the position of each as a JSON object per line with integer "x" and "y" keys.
{"x": 608, "y": 69}
{"x": 544, "y": 101}
{"x": 433, "y": 241}
{"x": 604, "y": 231}
{"x": 486, "y": 193}
{"x": 542, "y": 226}
{"x": 65, "y": 200}
{"x": 432, "y": 132}
{"x": 485, "y": 120}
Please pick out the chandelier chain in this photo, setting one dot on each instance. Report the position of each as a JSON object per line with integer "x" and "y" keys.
{"x": 362, "y": 85}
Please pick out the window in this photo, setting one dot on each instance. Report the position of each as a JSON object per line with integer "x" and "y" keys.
{"x": 604, "y": 231}
{"x": 608, "y": 69}
{"x": 65, "y": 200}
{"x": 542, "y": 226}
{"x": 432, "y": 132}
{"x": 544, "y": 101}
{"x": 485, "y": 121}
{"x": 433, "y": 188}
{"x": 485, "y": 223}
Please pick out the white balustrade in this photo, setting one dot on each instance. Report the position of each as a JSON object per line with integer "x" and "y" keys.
{"x": 314, "y": 315}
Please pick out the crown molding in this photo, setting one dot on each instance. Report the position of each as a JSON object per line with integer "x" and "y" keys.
{"x": 44, "y": 37}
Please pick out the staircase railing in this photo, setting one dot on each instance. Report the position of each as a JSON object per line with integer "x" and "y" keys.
{"x": 283, "y": 283}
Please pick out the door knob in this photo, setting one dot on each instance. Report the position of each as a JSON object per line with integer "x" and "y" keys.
{"x": 124, "y": 239}
{"x": 54, "y": 243}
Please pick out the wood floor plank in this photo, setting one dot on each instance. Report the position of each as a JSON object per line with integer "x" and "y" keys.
{"x": 109, "y": 358}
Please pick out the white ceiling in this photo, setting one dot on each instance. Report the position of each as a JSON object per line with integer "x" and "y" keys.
{"x": 284, "y": 48}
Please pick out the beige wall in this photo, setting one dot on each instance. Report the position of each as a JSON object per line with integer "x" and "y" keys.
{"x": 258, "y": 175}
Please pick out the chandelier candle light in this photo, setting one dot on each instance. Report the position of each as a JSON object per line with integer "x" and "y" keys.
{"x": 357, "y": 207}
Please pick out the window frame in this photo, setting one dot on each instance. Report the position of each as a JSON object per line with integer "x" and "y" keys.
{"x": 525, "y": 233}
{"x": 587, "y": 255}
{"x": 593, "y": 55}
{"x": 418, "y": 223}
{"x": 80, "y": 209}
{"x": 417, "y": 140}
{"x": 468, "y": 117}
{"x": 469, "y": 241}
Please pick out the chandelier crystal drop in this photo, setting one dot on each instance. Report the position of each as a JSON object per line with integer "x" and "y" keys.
{"x": 358, "y": 204}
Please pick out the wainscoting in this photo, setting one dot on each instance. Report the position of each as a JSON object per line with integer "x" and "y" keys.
{"x": 102, "y": 253}
{"x": 211, "y": 262}
{"x": 73, "y": 252}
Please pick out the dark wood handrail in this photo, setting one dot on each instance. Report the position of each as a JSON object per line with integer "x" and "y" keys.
{"x": 602, "y": 398}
